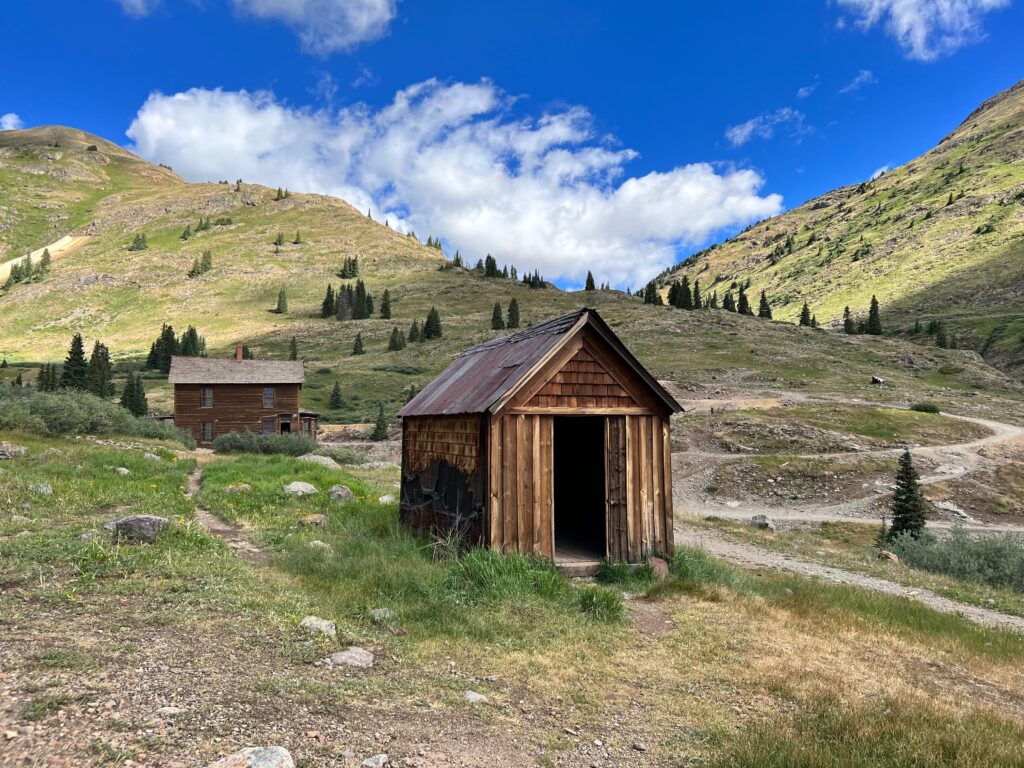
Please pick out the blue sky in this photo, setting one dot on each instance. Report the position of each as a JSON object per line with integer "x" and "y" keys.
{"x": 560, "y": 135}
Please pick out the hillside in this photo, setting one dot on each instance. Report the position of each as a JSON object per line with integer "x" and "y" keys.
{"x": 122, "y": 297}
{"x": 939, "y": 238}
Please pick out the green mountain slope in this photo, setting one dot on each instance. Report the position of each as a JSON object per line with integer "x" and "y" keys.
{"x": 122, "y": 297}
{"x": 941, "y": 238}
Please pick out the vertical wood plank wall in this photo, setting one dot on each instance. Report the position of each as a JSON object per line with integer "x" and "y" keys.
{"x": 648, "y": 487}
{"x": 520, "y": 484}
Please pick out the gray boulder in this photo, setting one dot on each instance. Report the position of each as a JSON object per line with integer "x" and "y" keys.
{"x": 377, "y": 761}
{"x": 476, "y": 698}
{"x": 353, "y": 657}
{"x": 341, "y": 493}
{"x": 151, "y": 457}
{"x": 43, "y": 489}
{"x": 387, "y": 498}
{"x": 141, "y": 528}
{"x": 123, "y": 471}
{"x": 763, "y": 522}
{"x": 323, "y": 461}
{"x": 314, "y": 625}
{"x": 12, "y": 451}
{"x": 299, "y": 488}
{"x": 257, "y": 757}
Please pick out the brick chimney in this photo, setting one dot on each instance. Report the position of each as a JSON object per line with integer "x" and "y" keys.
{"x": 238, "y": 352}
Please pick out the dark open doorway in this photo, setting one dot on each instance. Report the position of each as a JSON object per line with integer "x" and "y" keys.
{"x": 579, "y": 488}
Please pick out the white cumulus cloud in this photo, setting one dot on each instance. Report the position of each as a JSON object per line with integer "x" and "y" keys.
{"x": 138, "y": 8}
{"x": 11, "y": 122}
{"x": 326, "y": 26}
{"x": 926, "y": 29}
{"x": 448, "y": 159}
{"x": 863, "y": 78}
{"x": 764, "y": 126}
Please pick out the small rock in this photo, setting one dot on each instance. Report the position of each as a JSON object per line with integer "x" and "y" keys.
{"x": 377, "y": 761}
{"x": 341, "y": 493}
{"x": 239, "y": 488}
{"x": 317, "y": 626}
{"x": 43, "y": 489}
{"x": 170, "y": 711}
{"x": 26, "y": 507}
{"x": 12, "y": 451}
{"x": 257, "y": 757}
{"x": 887, "y": 555}
{"x": 387, "y": 498}
{"x": 141, "y": 528}
{"x": 10, "y": 735}
{"x": 317, "y": 521}
{"x": 763, "y": 522}
{"x": 353, "y": 657}
{"x": 878, "y": 380}
{"x": 151, "y": 457}
{"x": 383, "y": 615}
{"x": 123, "y": 471}
{"x": 321, "y": 546}
{"x": 87, "y": 536}
{"x": 476, "y": 698}
{"x": 639, "y": 746}
{"x": 660, "y": 568}
{"x": 298, "y": 488}
{"x": 323, "y": 461}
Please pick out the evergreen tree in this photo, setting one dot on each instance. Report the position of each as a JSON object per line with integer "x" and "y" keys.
{"x": 849, "y": 326}
{"x": 279, "y": 195}
{"x": 247, "y": 353}
{"x": 941, "y": 339}
{"x": 652, "y": 295}
{"x": 133, "y": 398}
{"x": 18, "y": 382}
{"x": 432, "y": 327}
{"x": 279, "y": 240}
{"x": 764, "y": 309}
{"x": 698, "y": 302}
{"x": 814, "y": 321}
{"x": 385, "y": 305}
{"x": 187, "y": 232}
{"x": 191, "y": 344}
{"x": 805, "y": 315}
{"x": 327, "y": 308}
{"x": 380, "y": 427}
{"x": 357, "y": 346}
{"x": 298, "y": 238}
{"x": 497, "y": 321}
{"x": 713, "y": 301}
{"x": 513, "y": 314}
{"x": 293, "y": 349}
{"x": 908, "y": 504}
{"x": 917, "y": 327}
{"x": 336, "y": 402}
{"x": 874, "y": 325}
{"x": 589, "y": 286}
{"x": 728, "y": 302}
{"x": 75, "y": 367}
{"x": 282, "y": 302}
{"x": 414, "y": 332}
{"x": 99, "y": 375}
{"x": 44, "y": 262}
{"x": 4, "y": 363}
{"x": 206, "y": 263}
{"x": 139, "y": 243}
{"x": 743, "y": 305}
{"x": 343, "y": 302}
{"x": 397, "y": 340}
{"x": 490, "y": 267}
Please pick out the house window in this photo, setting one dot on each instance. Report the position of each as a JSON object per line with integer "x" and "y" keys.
{"x": 206, "y": 397}
{"x": 267, "y": 427}
{"x": 268, "y": 397}
{"x": 207, "y": 432}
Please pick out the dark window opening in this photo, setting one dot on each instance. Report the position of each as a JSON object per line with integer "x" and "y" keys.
{"x": 580, "y": 518}
{"x": 206, "y": 397}
{"x": 207, "y": 432}
{"x": 268, "y": 397}
{"x": 286, "y": 425}
{"x": 268, "y": 426}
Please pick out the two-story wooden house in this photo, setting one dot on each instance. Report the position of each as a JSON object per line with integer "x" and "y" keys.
{"x": 213, "y": 397}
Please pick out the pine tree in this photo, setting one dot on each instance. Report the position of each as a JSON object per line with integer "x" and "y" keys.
{"x": 139, "y": 243}
{"x": 247, "y": 353}
{"x": 917, "y": 327}
{"x": 279, "y": 195}
{"x": 99, "y": 375}
{"x": 764, "y": 309}
{"x": 343, "y": 303}
{"x": 414, "y": 332}
{"x": 279, "y": 240}
{"x": 814, "y": 321}
{"x": 327, "y": 308}
{"x": 849, "y": 327}
{"x": 187, "y": 232}
{"x": 589, "y": 286}
{"x": 282, "y": 302}
{"x": 293, "y": 349}
{"x": 497, "y": 321}
{"x": 513, "y": 314}
{"x": 490, "y": 267}
{"x": 380, "y": 426}
{"x": 44, "y": 262}
{"x": 206, "y": 263}
{"x": 336, "y": 402}
{"x": 713, "y": 301}
{"x": 18, "y": 382}
{"x": 162, "y": 350}
{"x": 191, "y": 344}
{"x": 357, "y": 346}
{"x": 728, "y": 302}
{"x": 805, "y": 315}
{"x": 385, "y": 305}
{"x": 75, "y": 366}
{"x": 908, "y": 504}
{"x": 698, "y": 302}
{"x": 133, "y": 398}
{"x": 941, "y": 339}
{"x": 298, "y": 238}
{"x": 652, "y": 295}
{"x": 874, "y": 325}
{"x": 4, "y": 363}
{"x": 397, "y": 340}
{"x": 743, "y": 305}
{"x": 432, "y": 326}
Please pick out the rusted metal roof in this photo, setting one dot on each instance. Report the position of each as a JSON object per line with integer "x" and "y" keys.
{"x": 206, "y": 370}
{"x": 480, "y": 378}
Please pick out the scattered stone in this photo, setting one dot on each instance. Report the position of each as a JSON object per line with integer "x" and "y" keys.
{"x": 151, "y": 457}
{"x": 323, "y": 461}
{"x": 639, "y": 746}
{"x": 10, "y": 735}
{"x": 43, "y": 489}
{"x": 476, "y": 698}
{"x": 948, "y": 506}
{"x": 878, "y": 380}
{"x": 141, "y": 528}
{"x": 298, "y": 488}
{"x": 660, "y": 568}
{"x": 317, "y": 521}
{"x": 123, "y": 471}
{"x": 321, "y": 546}
{"x": 341, "y": 493}
{"x": 353, "y": 657}
{"x": 170, "y": 711}
{"x": 763, "y": 522}
{"x": 12, "y": 451}
{"x": 387, "y": 498}
{"x": 377, "y": 761}
{"x": 885, "y": 554}
{"x": 314, "y": 625}
{"x": 87, "y": 536}
{"x": 239, "y": 488}
{"x": 26, "y": 507}
{"x": 257, "y": 757}
{"x": 383, "y": 615}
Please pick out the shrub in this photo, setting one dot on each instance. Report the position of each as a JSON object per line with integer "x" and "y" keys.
{"x": 997, "y": 561}
{"x": 925, "y": 407}
{"x": 76, "y": 412}
{"x": 250, "y": 442}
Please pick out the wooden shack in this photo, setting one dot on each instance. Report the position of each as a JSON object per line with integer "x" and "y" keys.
{"x": 553, "y": 441}
{"x": 215, "y": 396}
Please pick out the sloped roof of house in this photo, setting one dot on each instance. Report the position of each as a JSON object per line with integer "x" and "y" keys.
{"x": 481, "y": 378}
{"x": 208, "y": 370}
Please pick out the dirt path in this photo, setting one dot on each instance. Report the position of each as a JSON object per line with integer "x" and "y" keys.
{"x": 57, "y": 248}
{"x": 231, "y": 535}
{"x": 755, "y": 557}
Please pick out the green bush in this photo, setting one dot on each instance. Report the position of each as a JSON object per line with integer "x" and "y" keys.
{"x": 997, "y": 561}
{"x": 250, "y": 442}
{"x": 72, "y": 412}
{"x": 925, "y": 407}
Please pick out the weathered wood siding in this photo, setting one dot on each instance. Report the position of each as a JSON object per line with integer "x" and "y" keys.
{"x": 455, "y": 439}
{"x": 520, "y": 490}
{"x": 648, "y": 488}
{"x": 582, "y": 382}
{"x": 236, "y": 407}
